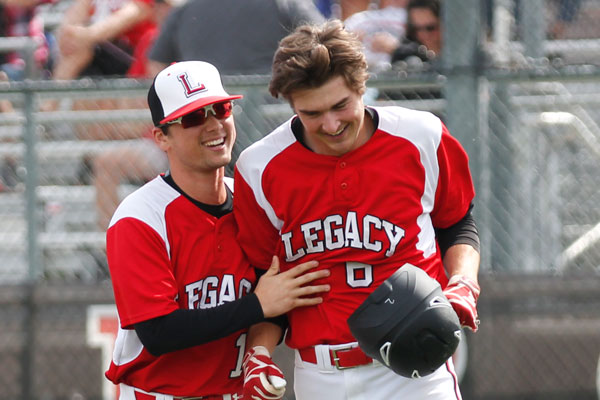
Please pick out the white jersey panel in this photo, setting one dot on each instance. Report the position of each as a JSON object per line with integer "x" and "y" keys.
{"x": 424, "y": 130}
{"x": 148, "y": 204}
{"x": 127, "y": 346}
{"x": 253, "y": 161}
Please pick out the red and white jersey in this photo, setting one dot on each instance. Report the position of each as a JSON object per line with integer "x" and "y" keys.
{"x": 362, "y": 215}
{"x": 166, "y": 253}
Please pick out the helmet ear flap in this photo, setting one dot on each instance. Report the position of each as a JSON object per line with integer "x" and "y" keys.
{"x": 407, "y": 324}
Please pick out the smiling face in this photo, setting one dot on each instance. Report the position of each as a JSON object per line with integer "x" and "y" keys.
{"x": 333, "y": 117}
{"x": 201, "y": 148}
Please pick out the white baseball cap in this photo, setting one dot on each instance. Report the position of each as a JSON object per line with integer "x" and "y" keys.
{"x": 184, "y": 87}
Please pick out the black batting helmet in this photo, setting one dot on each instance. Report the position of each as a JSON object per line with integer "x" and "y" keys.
{"x": 407, "y": 324}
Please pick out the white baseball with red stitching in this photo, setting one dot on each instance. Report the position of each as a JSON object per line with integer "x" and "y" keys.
{"x": 462, "y": 292}
{"x": 263, "y": 380}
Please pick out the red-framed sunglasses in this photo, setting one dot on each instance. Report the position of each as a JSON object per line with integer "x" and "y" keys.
{"x": 199, "y": 117}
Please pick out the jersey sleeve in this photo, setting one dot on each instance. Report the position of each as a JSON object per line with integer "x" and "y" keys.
{"x": 257, "y": 236}
{"x": 143, "y": 283}
{"x": 455, "y": 191}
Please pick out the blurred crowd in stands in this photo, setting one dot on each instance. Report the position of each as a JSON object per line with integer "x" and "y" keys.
{"x": 137, "y": 38}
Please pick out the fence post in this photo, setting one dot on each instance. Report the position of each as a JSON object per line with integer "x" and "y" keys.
{"x": 460, "y": 58}
{"x": 31, "y": 183}
{"x": 33, "y": 250}
{"x": 501, "y": 166}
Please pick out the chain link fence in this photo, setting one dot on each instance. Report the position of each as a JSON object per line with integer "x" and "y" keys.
{"x": 520, "y": 93}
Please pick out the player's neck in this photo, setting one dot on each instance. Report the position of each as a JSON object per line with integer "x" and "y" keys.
{"x": 205, "y": 187}
{"x": 369, "y": 124}
{"x": 367, "y": 128}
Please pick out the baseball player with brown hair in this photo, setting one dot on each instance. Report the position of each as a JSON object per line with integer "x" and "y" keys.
{"x": 364, "y": 190}
{"x": 184, "y": 291}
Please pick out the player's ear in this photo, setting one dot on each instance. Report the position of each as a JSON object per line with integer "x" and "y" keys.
{"x": 159, "y": 134}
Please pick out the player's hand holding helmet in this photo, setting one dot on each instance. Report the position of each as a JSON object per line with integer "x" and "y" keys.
{"x": 263, "y": 380}
{"x": 463, "y": 292}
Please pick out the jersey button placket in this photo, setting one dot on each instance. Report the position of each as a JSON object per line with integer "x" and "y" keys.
{"x": 343, "y": 180}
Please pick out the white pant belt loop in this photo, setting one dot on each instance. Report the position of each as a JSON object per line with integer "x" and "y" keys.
{"x": 324, "y": 358}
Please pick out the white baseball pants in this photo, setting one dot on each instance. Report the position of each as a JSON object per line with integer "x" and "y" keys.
{"x": 323, "y": 381}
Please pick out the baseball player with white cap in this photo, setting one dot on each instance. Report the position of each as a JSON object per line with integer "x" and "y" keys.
{"x": 184, "y": 291}
{"x": 364, "y": 190}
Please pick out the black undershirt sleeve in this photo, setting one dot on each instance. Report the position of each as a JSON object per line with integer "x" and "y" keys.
{"x": 186, "y": 328}
{"x": 463, "y": 232}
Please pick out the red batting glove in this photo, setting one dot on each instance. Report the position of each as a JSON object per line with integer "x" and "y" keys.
{"x": 462, "y": 293}
{"x": 263, "y": 380}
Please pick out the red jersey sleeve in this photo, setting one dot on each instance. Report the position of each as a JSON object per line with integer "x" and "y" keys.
{"x": 257, "y": 236}
{"x": 143, "y": 282}
{"x": 455, "y": 190}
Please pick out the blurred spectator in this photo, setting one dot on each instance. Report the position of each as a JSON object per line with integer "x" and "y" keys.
{"x": 98, "y": 37}
{"x": 109, "y": 58}
{"x": 380, "y": 30}
{"x": 139, "y": 66}
{"x": 236, "y": 36}
{"x": 424, "y": 34}
{"x": 132, "y": 162}
{"x": 20, "y": 18}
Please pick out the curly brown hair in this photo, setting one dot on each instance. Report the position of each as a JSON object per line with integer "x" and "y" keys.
{"x": 313, "y": 54}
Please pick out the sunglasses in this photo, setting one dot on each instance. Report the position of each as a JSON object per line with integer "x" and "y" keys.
{"x": 200, "y": 116}
{"x": 426, "y": 28}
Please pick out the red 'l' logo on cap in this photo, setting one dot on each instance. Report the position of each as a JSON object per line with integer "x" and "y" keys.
{"x": 189, "y": 90}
